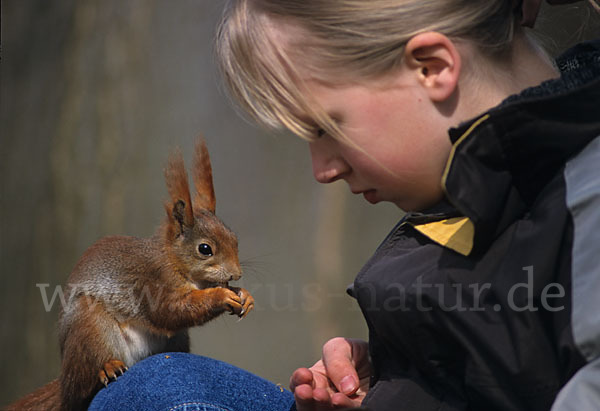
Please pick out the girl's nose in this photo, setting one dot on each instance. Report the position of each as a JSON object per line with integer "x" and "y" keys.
{"x": 328, "y": 165}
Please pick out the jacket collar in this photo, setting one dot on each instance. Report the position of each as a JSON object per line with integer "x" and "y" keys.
{"x": 502, "y": 160}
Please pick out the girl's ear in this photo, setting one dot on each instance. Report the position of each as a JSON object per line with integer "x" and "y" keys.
{"x": 202, "y": 173}
{"x": 436, "y": 63}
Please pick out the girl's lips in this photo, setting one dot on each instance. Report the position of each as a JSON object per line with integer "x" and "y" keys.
{"x": 371, "y": 196}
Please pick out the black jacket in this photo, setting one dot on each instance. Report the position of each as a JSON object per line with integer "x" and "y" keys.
{"x": 491, "y": 300}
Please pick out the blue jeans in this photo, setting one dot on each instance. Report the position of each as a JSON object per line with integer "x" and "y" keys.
{"x": 187, "y": 382}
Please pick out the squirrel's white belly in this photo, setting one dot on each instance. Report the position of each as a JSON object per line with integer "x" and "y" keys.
{"x": 137, "y": 343}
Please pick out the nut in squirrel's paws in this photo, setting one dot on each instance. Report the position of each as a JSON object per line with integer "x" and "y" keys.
{"x": 110, "y": 371}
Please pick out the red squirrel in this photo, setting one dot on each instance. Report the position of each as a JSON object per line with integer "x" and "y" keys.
{"x": 135, "y": 297}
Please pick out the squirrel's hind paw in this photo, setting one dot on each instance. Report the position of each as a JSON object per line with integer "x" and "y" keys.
{"x": 110, "y": 371}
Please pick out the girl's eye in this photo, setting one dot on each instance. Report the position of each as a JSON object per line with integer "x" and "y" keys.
{"x": 320, "y": 133}
{"x": 205, "y": 250}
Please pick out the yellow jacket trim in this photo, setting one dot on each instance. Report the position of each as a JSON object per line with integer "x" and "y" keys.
{"x": 454, "y": 233}
{"x": 455, "y": 146}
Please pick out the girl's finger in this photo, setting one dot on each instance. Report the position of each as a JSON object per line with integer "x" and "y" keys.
{"x": 337, "y": 356}
{"x": 300, "y": 377}
{"x": 339, "y": 400}
{"x": 303, "y": 395}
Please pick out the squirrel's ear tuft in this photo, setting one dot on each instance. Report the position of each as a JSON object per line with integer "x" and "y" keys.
{"x": 202, "y": 174}
{"x": 178, "y": 212}
{"x": 179, "y": 208}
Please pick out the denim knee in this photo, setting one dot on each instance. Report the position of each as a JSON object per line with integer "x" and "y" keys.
{"x": 187, "y": 382}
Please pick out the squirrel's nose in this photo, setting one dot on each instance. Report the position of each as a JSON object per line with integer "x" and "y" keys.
{"x": 236, "y": 276}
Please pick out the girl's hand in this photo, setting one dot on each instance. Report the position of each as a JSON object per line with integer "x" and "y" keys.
{"x": 339, "y": 380}
{"x": 531, "y": 9}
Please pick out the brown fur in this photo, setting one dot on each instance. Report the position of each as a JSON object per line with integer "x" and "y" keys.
{"x": 134, "y": 297}
{"x": 202, "y": 175}
{"x": 178, "y": 186}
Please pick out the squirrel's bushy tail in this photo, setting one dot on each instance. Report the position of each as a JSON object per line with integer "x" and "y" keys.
{"x": 44, "y": 398}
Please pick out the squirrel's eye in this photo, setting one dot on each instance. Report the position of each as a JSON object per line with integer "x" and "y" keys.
{"x": 205, "y": 250}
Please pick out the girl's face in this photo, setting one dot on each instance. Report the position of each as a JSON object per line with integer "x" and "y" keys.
{"x": 399, "y": 141}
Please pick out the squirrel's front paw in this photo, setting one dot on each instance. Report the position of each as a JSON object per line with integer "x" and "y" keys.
{"x": 229, "y": 300}
{"x": 110, "y": 371}
{"x": 246, "y": 299}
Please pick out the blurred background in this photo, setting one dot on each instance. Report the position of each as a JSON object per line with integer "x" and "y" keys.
{"x": 94, "y": 94}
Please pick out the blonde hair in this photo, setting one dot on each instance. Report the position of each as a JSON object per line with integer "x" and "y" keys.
{"x": 350, "y": 39}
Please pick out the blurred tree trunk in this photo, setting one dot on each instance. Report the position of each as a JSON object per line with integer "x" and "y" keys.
{"x": 70, "y": 92}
